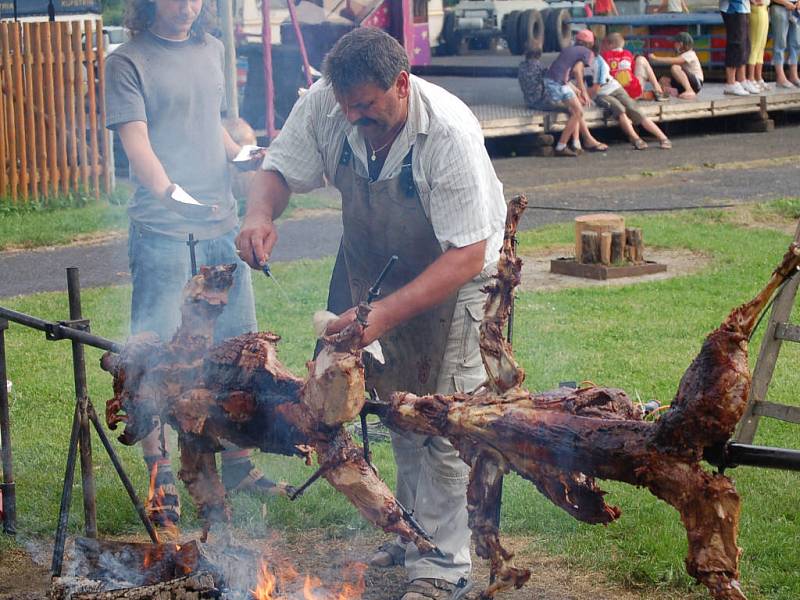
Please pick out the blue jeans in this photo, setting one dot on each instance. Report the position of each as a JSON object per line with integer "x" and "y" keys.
{"x": 784, "y": 33}
{"x": 160, "y": 267}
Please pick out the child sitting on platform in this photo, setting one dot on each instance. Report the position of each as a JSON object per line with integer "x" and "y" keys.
{"x": 633, "y": 73}
{"x": 686, "y": 74}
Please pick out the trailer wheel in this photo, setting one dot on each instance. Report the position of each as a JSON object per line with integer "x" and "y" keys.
{"x": 530, "y": 30}
{"x": 452, "y": 41}
{"x": 547, "y": 45}
{"x": 510, "y": 29}
{"x": 558, "y": 29}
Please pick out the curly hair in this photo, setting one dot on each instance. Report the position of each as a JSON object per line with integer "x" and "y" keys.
{"x": 140, "y": 14}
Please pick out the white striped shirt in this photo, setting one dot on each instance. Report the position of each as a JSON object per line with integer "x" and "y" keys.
{"x": 454, "y": 176}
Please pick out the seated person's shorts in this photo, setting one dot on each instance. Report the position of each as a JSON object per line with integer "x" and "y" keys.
{"x": 619, "y": 102}
{"x": 558, "y": 93}
{"x": 694, "y": 82}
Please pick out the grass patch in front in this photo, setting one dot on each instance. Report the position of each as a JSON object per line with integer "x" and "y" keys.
{"x": 640, "y": 337}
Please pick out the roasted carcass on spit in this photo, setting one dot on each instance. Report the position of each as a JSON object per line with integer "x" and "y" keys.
{"x": 238, "y": 391}
{"x": 561, "y": 441}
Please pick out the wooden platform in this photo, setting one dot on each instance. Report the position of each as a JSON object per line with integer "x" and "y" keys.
{"x": 504, "y": 118}
{"x": 569, "y": 266}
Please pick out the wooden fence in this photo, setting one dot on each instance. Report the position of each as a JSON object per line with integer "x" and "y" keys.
{"x": 52, "y": 136}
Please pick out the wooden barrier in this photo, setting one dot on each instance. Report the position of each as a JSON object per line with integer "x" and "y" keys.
{"x": 53, "y": 141}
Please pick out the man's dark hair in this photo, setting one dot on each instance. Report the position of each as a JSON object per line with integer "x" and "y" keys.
{"x": 140, "y": 14}
{"x": 365, "y": 55}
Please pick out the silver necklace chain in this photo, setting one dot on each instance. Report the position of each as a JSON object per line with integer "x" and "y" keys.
{"x": 373, "y": 157}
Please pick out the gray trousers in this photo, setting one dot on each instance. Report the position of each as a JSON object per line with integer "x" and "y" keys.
{"x": 431, "y": 478}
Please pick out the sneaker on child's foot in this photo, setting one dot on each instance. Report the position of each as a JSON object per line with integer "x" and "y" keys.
{"x": 750, "y": 86}
{"x": 735, "y": 89}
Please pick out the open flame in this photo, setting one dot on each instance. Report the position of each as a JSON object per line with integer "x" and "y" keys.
{"x": 280, "y": 582}
{"x": 167, "y": 530}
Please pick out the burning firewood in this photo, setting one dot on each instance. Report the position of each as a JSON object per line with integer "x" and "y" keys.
{"x": 561, "y": 441}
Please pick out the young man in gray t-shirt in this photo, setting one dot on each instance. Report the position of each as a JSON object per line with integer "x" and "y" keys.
{"x": 164, "y": 97}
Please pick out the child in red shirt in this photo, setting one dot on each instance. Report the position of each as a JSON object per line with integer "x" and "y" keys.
{"x": 632, "y": 72}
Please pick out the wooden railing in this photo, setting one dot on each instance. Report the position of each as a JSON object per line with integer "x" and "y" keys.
{"x": 52, "y": 136}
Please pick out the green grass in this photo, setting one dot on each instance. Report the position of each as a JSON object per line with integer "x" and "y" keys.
{"x": 638, "y": 337}
{"x": 37, "y": 226}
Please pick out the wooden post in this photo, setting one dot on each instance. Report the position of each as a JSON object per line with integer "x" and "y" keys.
{"x": 80, "y": 105}
{"x": 58, "y": 71}
{"x": 41, "y": 134}
{"x": 757, "y": 404}
{"x": 19, "y": 111}
{"x": 11, "y": 126}
{"x": 30, "y": 110}
{"x": 598, "y": 223}
{"x": 69, "y": 92}
{"x": 52, "y": 140}
{"x": 3, "y": 154}
{"x": 90, "y": 80}
{"x": 105, "y": 146}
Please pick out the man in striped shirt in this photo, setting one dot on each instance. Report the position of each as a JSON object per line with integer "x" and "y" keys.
{"x": 416, "y": 182}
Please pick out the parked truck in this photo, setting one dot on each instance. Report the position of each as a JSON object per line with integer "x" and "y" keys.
{"x": 522, "y": 24}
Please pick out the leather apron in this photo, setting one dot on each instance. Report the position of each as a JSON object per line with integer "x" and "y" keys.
{"x": 382, "y": 218}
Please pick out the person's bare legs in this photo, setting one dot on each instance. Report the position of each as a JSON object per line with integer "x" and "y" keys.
{"x": 644, "y": 73}
{"x": 758, "y": 71}
{"x": 679, "y": 75}
{"x": 750, "y": 73}
{"x": 650, "y": 126}
{"x": 626, "y": 125}
{"x": 575, "y": 115}
{"x": 589, "y": 141}
{"x": 793, "y": 74}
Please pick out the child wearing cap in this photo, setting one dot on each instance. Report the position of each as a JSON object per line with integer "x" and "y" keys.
{"x": 686, "y": 73}
{"x": 571, "y": 62}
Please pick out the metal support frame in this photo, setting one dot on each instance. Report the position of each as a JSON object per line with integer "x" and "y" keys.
{"x": 7, "y": 490}
{"x": 75, "y": 329}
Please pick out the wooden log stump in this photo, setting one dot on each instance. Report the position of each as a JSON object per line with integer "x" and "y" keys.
{"x": 590, "y": 247}
{"x": 598, "y": 223}
{"x": 634, "y": 245}
{"x": 617, "y": 247}
{"x": 605, "y": 247}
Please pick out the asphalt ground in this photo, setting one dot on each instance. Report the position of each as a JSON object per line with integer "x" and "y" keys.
{"x": 710, "y": 164}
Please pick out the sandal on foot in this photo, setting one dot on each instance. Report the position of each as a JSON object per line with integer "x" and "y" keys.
{"x": 639, "y": 144}
{"x": 601, "y": 147}
{"x": 388, "y": 555}
{"x": 255, "y": 481}
{"x": 665, "y": 144}
{"x": 566, "y": 151}
{"x": 436, "y": 589}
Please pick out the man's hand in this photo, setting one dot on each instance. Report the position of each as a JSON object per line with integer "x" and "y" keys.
{"x": 266, "y": 200}
{"x": 253, "y": 162}
{"x": 378, "y": 323}
{"x": 256, "y": 240}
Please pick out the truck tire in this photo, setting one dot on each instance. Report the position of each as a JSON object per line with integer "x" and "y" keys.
{"x": 558, "y": 29}
{"x": 449, "y": 37}
{"x": 547, "y": 45}
{"x": 530, "y": 30}
{"x": 510, "y": 30}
